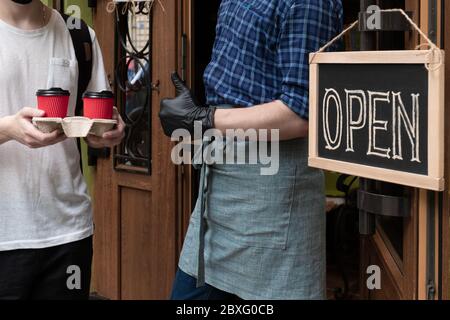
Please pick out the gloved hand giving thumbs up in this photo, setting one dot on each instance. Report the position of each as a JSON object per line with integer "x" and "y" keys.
{"x": 183, "y": 111}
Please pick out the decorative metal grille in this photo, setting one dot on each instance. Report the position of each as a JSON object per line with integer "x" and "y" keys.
{"x": 134, "y": 86}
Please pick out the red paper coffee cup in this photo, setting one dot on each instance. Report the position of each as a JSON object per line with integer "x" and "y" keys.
{"x": 98, "y": 105}
{"x": 54, "y": 101}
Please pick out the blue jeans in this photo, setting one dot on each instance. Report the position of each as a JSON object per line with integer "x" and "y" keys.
{"x": 185, "y": 288}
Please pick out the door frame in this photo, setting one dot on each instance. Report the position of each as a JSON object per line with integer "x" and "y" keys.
{"x": 427, "y": 232}
{"x": 446, "y": 203}
{"x": 186, "y": 65}
{"x": 434, "y": 224}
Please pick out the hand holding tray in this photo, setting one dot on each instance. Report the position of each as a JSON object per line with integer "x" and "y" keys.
{"x": 75, "y": 127}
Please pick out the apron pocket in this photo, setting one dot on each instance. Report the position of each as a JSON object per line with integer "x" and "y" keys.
{"x": 252, "y": 209}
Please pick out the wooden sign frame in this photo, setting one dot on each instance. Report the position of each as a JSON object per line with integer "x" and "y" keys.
{"x": 436, "y": 96}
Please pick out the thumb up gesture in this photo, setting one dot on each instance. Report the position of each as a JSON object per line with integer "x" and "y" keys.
{"x": 183, "y": 111}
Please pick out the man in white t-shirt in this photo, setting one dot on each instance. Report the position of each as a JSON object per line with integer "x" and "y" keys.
{"x": 45, "y": 211}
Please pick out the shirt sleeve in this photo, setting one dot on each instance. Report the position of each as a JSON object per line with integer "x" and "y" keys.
{"x": 307, "y": 26}
{"x": 99, "y": 79}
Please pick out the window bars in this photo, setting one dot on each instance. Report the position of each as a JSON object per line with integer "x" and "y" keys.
{"x": 134, "y": 85}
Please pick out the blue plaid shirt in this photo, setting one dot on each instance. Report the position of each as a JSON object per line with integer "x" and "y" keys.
{"x": 262, "y": 47}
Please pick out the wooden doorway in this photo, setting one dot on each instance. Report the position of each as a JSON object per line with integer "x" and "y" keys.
{"x": 408, "y": 249}
{"x": 197, "y": 35}
{"x": 135, "y": 208}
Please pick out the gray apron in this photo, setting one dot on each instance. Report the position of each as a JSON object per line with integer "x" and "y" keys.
{"x": 256, "y": 236}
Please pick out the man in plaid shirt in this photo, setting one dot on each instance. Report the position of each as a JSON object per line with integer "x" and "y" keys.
{"x": 261, "y": 237}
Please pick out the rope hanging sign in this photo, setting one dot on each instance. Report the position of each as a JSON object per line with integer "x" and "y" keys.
{"x": 434, "y": 50}
{"x": 379, "y": 114}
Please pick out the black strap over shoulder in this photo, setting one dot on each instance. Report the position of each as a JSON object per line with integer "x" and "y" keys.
{"x": 82, "y": 44}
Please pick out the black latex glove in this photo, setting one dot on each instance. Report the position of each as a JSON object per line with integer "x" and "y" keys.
{"x": 183, "y": 111}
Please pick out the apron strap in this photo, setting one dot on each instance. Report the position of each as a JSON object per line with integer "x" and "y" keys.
{"x": 204, "y": 181}
{"x": 205, "y": 171}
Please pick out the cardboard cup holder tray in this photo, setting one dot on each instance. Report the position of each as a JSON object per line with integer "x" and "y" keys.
{"x": 75, "y": 127}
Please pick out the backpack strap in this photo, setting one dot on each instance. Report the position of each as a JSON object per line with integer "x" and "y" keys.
{"x": 82, "y": 43}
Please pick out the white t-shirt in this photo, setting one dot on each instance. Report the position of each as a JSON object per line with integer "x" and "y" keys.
{"x": 44, "y": 200}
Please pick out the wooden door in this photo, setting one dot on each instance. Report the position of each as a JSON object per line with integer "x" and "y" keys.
{"x": 409, "y": 249}
{"x": 135, "y": 210}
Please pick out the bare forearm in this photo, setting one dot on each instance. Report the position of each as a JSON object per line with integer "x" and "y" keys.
{"x": 3, "y": 130}
{"x": 274, "y": 115}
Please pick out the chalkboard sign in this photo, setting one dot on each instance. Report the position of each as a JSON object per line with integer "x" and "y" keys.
{"x": 379, "y": 115}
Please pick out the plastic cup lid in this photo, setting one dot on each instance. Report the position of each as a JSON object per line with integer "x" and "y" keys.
{"x": 52, "y": 92}
{"x": 100, "y": 95}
